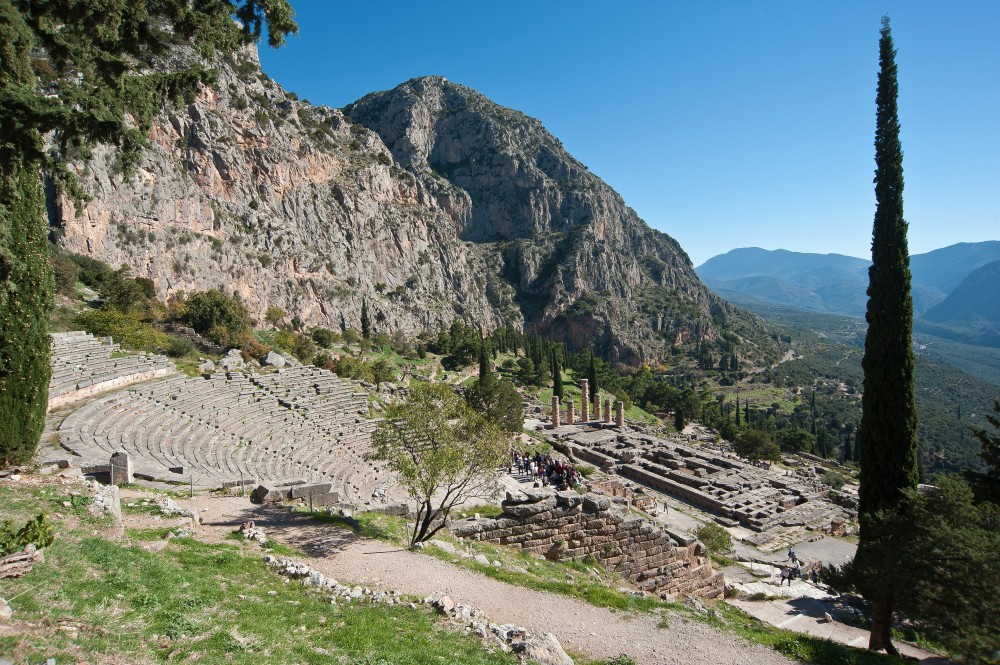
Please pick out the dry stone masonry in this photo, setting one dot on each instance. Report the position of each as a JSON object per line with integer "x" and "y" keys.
{"x": 566, "y": 526}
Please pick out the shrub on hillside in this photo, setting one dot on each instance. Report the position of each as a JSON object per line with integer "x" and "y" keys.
{"x": 325, "y": 337}
{"x": 834, "y": 480}
{"x": 325, "y": 361}
{"x": 285, "y": 340}
{"x": 93, "y": 273}
{"x": 37, "y": 532}
{"x": 126, "y": 293}
{"x": 126, "y": 328}
{"x": 304, "y": 348}
{"x": 715, "y": 538}
{"x": 213, "y": 313}
{"x": 349, "y": 367}
{"x": 178, "y": 347}
{"x": 67, "y": 274}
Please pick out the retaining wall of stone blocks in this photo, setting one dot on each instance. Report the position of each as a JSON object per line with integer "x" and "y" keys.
{"x": 567, "y": 526}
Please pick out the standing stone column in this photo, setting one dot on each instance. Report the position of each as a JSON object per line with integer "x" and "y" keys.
{"x": 597, "y": 409}
{"x": 585, "y": 401}
{"x": 620, "y": 414}
{"x": 121, "y": 468}
{"x": 607, "y": 411}
{"x": 569, "y": 412}
{"x": 555, "y": 411}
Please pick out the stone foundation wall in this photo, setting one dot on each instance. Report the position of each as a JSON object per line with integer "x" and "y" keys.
{"x": 565, "y": 526}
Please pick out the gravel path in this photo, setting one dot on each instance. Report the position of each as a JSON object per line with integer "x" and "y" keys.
{"x": 580, "y": 627}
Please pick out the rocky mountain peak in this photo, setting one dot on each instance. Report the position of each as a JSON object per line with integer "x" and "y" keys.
{"x": 429, "y": 201}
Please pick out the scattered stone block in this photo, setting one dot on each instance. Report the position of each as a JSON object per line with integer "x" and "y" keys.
{"x": 267, "y": 494}
{"x": 445, "y": 605}
{"x": 120, "y": 468}
{"x": 596, "y": 502}
{"x": 303, "y": 491}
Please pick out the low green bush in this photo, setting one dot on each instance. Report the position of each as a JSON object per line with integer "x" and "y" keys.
{"x": 127, "y": 329}
{"x": 38, "y": 532}
{"x": 178, "y": 347}
{"x": 715, "y": 538}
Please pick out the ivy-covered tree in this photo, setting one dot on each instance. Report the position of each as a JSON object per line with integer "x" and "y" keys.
{"x": 73, "y": 74}
{"x": 889, "y": 413}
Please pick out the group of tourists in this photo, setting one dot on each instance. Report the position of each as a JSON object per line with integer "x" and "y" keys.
{"x": 793, "y": 570}
{"x": 545, "y": 469}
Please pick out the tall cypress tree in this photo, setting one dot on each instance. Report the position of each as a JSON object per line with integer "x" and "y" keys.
{"x": 26, "y": 297}
{"x": 557, "y": 384}
{"x": 888, "y": 440}
{"x": 595, "y": 390}
{"x": 485, "y": 366}
{"x": 366, "y": 323}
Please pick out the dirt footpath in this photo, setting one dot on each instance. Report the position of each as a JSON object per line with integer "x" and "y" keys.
{"x": 580, "y": 627}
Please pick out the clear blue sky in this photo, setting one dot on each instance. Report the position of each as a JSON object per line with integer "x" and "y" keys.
{"x": 724, "y": 124}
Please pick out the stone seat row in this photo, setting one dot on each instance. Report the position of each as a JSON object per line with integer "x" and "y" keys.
{"x": 67, "y": 380}
{"x": 168, "y": 444}
{"x": 83, "y": 366}
{"x": 220, "y": 429}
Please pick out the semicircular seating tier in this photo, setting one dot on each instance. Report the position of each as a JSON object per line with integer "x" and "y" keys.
{"x": 300, "y": 423}
{"x": 84, "y": 366}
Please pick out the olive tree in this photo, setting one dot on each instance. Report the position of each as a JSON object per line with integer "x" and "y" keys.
{"x": 443, "y": 451}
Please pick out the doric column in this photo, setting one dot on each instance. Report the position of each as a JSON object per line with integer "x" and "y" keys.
{"x": 620, "y": 414}
{"x": 555, "y": 411}
{"x": 569, "y": 413}
{"x": 607, "y": 411}
{"x": 585, "y": 400}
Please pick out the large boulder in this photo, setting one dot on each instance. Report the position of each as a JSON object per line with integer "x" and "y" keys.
{"x": 274, "y": 359}
{"x": 544, "y": 649}
{"x": 233, "y": 360}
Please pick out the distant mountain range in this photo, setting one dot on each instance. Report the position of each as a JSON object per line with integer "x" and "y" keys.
{"x": 956, "y": 289}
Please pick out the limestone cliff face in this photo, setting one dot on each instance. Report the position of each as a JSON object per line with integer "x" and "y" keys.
{"x": 429, "y": 201}
{"x": 287, "y": 204}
